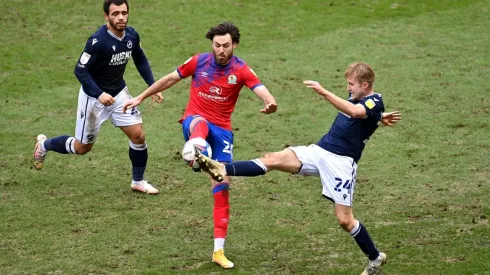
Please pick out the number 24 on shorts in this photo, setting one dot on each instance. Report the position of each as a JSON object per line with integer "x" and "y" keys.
{"x": 339, "y": 186}
{"x": 228, "y": 148}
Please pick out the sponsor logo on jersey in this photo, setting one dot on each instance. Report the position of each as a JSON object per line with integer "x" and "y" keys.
{"x": 94, "y": 41}
{"x": 204, "y": 74}
{"x": 213, "y": 97}
{"x": 114, "y": 47}
{"x": 232, "y": 79}
{"x": 84, "y": 58}
{"x": 215, "y": 90}
{"x": 120, "y": 58}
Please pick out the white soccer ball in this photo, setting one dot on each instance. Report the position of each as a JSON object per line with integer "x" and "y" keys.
{"x": 189, "y": 151}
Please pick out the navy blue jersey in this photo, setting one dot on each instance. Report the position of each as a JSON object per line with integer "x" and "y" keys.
{"x": 102, "y": 64}
{"x": 348, "y": 136}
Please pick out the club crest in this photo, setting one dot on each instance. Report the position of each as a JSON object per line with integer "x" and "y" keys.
{"x": 232, "y": 79}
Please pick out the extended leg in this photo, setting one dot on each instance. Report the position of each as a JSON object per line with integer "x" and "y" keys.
{"x": 285, "y": 161}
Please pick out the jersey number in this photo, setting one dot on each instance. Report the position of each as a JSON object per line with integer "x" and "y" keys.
{"x": 341, "y": 185}
{"x": 228, "y": 147}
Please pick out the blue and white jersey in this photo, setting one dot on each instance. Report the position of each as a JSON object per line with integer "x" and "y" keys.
{"x": 348, "y": 136}
{"x": 101, "y": 66}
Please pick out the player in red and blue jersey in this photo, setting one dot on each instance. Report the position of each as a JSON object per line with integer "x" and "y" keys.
{"x": 333, "y": 158}
{"x": 217, "y": 79}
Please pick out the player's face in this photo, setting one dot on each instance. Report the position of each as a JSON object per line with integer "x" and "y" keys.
{"x": 223, "y": 48}
{"x": 358, "y": 90}
{"x": 117, "y": 17}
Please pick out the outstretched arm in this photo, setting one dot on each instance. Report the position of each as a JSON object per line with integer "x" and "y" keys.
{"x": 162, "y": 84}
{"x": 346, "y": 107}
{"x": 270, "y": 102}
{"x": 144, "y": 69}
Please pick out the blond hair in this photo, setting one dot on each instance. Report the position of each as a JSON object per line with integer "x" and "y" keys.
{"x": 362, "y": 72}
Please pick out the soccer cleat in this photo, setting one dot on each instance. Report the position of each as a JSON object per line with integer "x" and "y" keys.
{"x": 39, "y": 154}
{"x": 144, "y": 187}
{"x": 215, "y": 169}
{"x": 220, "y": 259}
{"x": 374, "y": 267}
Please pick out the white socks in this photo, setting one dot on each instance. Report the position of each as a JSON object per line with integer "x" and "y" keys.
{"x": 219, "y": 243}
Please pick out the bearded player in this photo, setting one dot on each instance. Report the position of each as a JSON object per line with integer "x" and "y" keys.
{"x": 217, "y": 79}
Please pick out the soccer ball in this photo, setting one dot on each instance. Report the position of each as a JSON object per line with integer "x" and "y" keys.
{"x": 189, "y": 151}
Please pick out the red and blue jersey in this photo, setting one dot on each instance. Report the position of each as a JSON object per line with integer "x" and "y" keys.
{"x": 214, "y": 88}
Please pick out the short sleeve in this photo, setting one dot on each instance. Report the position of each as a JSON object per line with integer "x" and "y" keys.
{"x": 373, "y": 105}
{"x": 189, "y": 67}
{"x": 251, "y": 79}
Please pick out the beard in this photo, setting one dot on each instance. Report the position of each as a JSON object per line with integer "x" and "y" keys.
{"x": 118, "y": 27}
{"x": 222, "y": 60}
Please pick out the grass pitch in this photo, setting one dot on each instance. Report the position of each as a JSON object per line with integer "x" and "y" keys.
{"x": 423, "y": 187}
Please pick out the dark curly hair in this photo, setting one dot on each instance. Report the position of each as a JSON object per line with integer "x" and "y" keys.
{"x": 224, "y": 28}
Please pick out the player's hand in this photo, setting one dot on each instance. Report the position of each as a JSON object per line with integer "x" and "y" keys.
{"x": 390, "y": 119}
{"x": 315, "y": 86}
{"x": 269, "y": 108}
{"x": 106, "y": 99}
{"x": 131, "y": 103}
{"x": 158, "y": 97}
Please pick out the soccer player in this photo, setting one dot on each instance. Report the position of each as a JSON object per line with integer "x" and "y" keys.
{"x": 217, "y": 79}
{"x": 100, "y": 70}
{"x": 334, "y": 158}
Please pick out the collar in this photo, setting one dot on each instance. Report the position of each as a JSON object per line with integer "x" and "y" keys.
{"x": 115, "y": 36}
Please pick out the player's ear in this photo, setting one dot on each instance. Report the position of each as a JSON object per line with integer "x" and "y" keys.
{"x": 365, "y": 85}
{"x": 234, "y": 45}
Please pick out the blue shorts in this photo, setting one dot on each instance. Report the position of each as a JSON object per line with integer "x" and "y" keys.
{"x": 220, "y": 140}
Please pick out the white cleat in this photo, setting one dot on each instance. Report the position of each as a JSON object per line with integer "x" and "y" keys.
{"x": 374, "y": 267}
{"x": 144, "y": 187}
{"x": 39, "y": 153}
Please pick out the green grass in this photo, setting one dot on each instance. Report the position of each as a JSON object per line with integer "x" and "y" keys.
{"x": 423, "y": 186}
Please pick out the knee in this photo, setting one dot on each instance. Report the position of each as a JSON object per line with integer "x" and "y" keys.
{"x": 83, "y": 149}
{"x": 272, "y": 159}
{"x": 346, "y": 222}
{"x": 138, "y": 138}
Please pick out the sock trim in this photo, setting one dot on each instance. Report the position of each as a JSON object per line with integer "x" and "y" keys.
{"x": 137, "y": 147}
{"x": 260, "y": 164}
{"x": 356, "y": 229}
{"x": 220, "y": 187}
{"x": 69, "y": 145}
